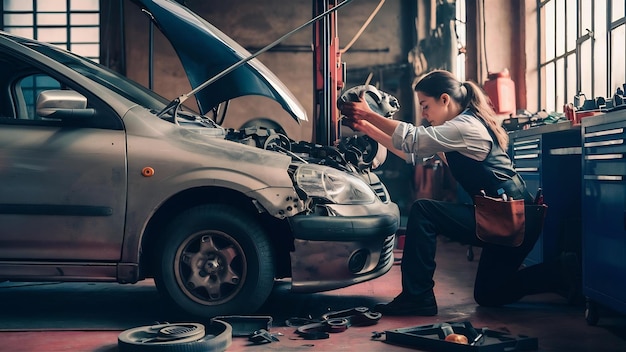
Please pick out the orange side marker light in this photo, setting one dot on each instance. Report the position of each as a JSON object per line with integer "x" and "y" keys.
{"x": 147, "y": 171}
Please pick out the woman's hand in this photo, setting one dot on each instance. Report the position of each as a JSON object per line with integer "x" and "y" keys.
{"x": 355, "y": 124}
{"x": 358, "y": 110}
{"x": 360, "y": 117}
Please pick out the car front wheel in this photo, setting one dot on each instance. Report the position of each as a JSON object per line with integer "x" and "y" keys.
{"x": 215, "y": 260}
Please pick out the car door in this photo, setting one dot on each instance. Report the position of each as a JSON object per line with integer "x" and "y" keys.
{"x": 62, "y": 185}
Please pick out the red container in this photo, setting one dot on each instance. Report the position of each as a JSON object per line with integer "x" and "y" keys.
{"x": 400, "y": 242}
{"x": 501, "y": 90}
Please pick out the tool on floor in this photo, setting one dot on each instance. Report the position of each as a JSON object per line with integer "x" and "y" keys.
{"x": 246, "y": 325}
{"x": 478, "y": 337}
{"x": 333, "y": 322}
{"x": 255, "y": 327}
{"x": 433, "y": 338}
{"x": 262, "y": 336}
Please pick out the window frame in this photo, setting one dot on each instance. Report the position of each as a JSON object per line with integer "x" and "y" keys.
{"x": 595, "y": 56}
{"x": 71, "y": 24}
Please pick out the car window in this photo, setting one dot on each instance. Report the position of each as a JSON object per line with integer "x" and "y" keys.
{"x": 27, "y": 90}
{"x": 23, "y": 82}
{"x": 104, "y": 76}
{"x": 100, "y": 74}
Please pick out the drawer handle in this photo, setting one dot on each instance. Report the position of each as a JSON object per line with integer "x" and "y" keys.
{"x": 527, "y": 141}
{"x": 604, "y": 156}
{"x": 526, "y": 147}
{"x": 566, "y": 151}
{"x": 604, "y": 143}
{"x": 526, "y": 169}
{"x": 604, "y": 177}
{"x": 604, "y": 133}
{"x": 526, "y": 156}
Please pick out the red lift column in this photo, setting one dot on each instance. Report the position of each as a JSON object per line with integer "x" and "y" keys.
{"x": 327, "y": 74}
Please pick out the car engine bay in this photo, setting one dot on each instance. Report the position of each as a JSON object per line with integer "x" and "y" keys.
{"x": 352, "y": 153}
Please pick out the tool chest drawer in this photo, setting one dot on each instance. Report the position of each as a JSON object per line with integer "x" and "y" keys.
{"x": 605, "y": 148}
{"x": 526, "y": 153}
{"x": 604, "y": 212}
{"x": 549, "y": 157}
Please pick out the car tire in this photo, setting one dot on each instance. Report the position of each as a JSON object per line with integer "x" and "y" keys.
{"x": 215, "y": 260}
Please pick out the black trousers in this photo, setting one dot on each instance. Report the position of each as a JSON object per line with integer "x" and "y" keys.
{"x": 499, "y": 279}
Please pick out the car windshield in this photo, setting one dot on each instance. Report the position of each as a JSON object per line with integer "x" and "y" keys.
{"x": 103, "y": 75}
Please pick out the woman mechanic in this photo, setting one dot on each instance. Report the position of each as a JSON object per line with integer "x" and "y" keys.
{"x": 465, "y": 133}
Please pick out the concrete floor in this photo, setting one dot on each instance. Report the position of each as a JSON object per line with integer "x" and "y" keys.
{"x": 80, "y": 317}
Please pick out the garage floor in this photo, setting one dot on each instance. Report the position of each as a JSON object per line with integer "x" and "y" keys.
{"x": 88, "y": 317}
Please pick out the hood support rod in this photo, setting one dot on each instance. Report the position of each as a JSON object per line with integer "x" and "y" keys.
{"x": 174, "y": 104}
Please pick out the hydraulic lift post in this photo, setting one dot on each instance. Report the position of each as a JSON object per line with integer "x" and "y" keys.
{"x": 328, "y": 72}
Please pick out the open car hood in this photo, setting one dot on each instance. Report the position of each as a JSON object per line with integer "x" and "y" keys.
{"x": 205, "y": 52}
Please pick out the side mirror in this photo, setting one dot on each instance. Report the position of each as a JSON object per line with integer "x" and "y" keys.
{"x": 63, "y": 105}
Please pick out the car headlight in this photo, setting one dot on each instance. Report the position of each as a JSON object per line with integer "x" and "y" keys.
{"x": 333, "y": 185}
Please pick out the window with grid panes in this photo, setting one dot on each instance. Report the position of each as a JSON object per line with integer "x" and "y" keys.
{"x": 70, "y": 24}
{"x": 582, "y": 50}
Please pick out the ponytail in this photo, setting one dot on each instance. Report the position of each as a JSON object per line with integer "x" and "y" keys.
{"x": 477, "y": 101}
{"x": 468, "y": 95}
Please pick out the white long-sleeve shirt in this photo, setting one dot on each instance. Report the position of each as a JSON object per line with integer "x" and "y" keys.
{"x": 465, "y": 134}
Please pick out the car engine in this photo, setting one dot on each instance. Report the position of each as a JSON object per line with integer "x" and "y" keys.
{"x": 354, "y": 153}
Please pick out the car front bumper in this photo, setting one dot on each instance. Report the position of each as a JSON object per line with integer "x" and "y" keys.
{"x": 332, "y": 252}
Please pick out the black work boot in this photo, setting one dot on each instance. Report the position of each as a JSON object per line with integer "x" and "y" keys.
{"x": 405, "y": 304}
